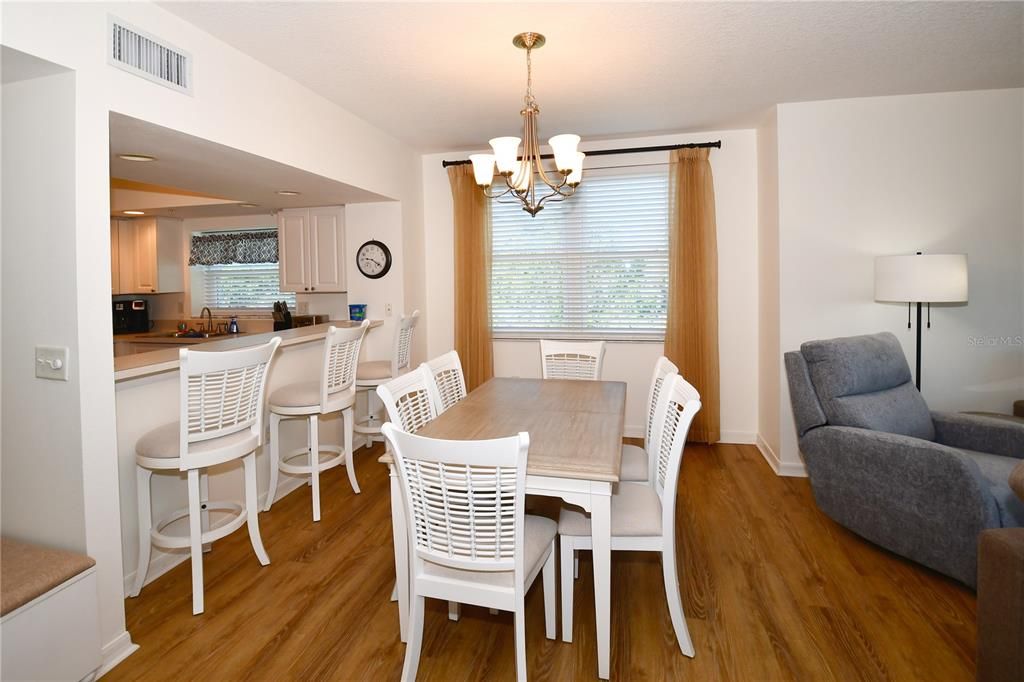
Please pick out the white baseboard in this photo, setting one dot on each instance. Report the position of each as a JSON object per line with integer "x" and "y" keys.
{"x": 738, "y": 437}
{"x": 118, "y": 649}
{"x": 780, "y": 468}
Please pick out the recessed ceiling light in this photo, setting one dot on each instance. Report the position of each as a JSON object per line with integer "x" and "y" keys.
{"x": 136, "y": 157}
{"x": 248, "y": 205}
{"x": 134, "y": 212}
{"x": 288, "y": 192}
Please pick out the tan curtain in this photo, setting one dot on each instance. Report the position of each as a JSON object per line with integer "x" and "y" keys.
{"x": 472, "y": 276}
{"x": 691, "y": 334}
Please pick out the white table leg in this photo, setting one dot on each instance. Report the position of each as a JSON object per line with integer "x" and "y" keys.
{"x": 401, "y": 541}
{"x": 601, "y": 529}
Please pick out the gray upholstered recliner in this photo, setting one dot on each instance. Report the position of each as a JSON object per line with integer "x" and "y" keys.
{"x": 921, "y": 484}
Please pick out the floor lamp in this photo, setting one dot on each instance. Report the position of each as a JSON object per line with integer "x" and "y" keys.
{"x": 921, "y": 279}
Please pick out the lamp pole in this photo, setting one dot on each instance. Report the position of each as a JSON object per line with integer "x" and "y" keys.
{"x": 917, "y": 368}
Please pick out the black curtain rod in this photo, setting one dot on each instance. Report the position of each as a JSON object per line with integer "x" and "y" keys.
{"x": 717, "y": 144}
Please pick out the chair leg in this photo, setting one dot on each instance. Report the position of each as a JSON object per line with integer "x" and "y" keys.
{"x": 412, "y": 649}
{"x": 143, "y": 477}
{"x": 453, "y": 611}
{"x": 252, "y": 512}
{"x": 204, "y": 499}
{"x": 195, "y": 527}
{"x": 520, "y": 628}
{"x": 314, "y": 462}
{"x": 549, "y": 593}
{"x": 675, "y": 603}
{"x": 349, "y": 418}
{"x": 566, "y": 559}
{"x": 275, "y": 459}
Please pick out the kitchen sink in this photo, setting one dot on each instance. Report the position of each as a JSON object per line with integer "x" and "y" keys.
{"x": 197, "y": 335}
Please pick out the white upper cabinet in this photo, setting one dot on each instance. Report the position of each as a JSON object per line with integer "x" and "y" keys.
{"x": 147, "y": 256}
{"x": 311, "y": 246}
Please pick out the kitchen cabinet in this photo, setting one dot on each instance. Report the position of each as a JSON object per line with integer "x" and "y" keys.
{"x": 150, "y": 256}
{"x": 311, "y": 249}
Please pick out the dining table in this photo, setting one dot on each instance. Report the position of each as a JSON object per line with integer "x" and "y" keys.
{"x": 575, "y": 454}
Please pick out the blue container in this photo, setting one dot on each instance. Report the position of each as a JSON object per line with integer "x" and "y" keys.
{"x": 357, "y": 312}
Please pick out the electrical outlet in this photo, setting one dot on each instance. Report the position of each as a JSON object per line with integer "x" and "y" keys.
{"x": 52, "y": 362}
{"x": 181, "y": 307}
{"x": 302, "y": 308}
{"x": 387, "y": 310}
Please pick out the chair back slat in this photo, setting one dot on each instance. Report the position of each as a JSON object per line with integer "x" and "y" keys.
{"x": 662, "y": 369}
{"x": 571, "y": 359}
{"x": 448, "y": 384}
{"x": 679, "y": 404}
{"x": 341, "y": 357}
{"x": 401, "y": 349}
{"x": 465, "y": 499}
{"x": 408, "y": 401}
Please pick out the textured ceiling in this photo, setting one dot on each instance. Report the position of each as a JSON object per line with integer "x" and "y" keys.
{"x": 445, "y": 76}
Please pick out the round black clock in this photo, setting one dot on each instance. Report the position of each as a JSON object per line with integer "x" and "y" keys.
{"x": 373, "y": 259}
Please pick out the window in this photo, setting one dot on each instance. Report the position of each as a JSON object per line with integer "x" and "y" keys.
{"x": 236, "y": 271}
{"x": 593, "y": 266}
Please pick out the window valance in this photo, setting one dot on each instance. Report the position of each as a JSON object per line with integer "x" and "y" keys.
{"x": 221, "y": 248}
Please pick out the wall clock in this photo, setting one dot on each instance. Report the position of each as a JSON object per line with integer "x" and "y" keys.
{"x": 373, "y": 259}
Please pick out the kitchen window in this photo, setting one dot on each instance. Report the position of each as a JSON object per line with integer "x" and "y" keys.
{"x": 592, "y": 266}
{"x": 236, "y": 272}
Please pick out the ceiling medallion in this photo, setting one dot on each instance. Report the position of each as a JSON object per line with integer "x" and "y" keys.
{"x": 521, "y": 174}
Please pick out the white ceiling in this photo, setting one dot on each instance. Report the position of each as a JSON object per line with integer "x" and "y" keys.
{"x": 196, "y": 165}
{"x": 445, "y": 76}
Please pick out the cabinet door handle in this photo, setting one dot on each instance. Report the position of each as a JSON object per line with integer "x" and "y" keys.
{"x": 312, "y": 288}
{"x": 305, "y": 288}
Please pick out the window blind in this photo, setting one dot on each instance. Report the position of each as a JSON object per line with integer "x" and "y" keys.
{"x": 243, "y": 287}
{"x": 592, "y": 266}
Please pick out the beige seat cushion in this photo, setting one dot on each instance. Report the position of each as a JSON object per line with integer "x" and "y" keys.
{"x": 307, "y": 394}
{"x": 634, "y": 464}
{"x": 162, "y": 442}
{"x": 636, "y": 512}
{"x": 538, "y": 533}
{"x": 374, "y": 369}
{"x": 28, "y": 571}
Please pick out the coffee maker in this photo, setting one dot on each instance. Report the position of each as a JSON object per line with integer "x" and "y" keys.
{"x": 131, "y": 317}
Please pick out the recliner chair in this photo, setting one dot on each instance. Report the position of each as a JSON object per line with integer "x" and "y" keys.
{"x": 919, "y": 483}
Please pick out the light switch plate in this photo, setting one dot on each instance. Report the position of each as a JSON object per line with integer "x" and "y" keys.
{"x": 52, "y": 362}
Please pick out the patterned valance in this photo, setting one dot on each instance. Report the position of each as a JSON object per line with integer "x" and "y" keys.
{"x": 219, "y": 248}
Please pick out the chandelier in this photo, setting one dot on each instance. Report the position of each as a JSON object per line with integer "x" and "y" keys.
{"x": 521, "y": 175}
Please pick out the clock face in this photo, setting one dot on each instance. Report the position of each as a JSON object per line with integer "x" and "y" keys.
{"x": 373, "y": 259}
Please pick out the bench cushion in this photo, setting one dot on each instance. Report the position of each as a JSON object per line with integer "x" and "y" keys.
{"x": 28, "y": 571}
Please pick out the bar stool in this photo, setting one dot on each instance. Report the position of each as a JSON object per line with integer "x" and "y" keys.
{"x": 221, "y": 420}
{"x": 333, "y": 392}
{"x": 373, "y": 373}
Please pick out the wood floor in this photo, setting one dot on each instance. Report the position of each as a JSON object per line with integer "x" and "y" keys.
{"x": 772, "y": 590}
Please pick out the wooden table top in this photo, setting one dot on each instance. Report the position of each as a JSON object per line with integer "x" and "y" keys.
{"x": 575, "y": 427}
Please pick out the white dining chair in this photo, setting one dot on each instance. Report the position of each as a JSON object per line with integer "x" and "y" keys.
{"x": 407, "y": 400}
{"x": 373, "y": 373}
{"x": 571, "y": 359}
{"x": 333, "y": 391}
{"x": 221, "y": 420}
{"x": 636, "y": 460}
{"x": 448, "y": 383}
{"x": 643, "y": 516}
{"x": 469, "y": 536}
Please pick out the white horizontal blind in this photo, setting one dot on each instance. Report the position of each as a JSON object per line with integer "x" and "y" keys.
{"x": 592, "y": 266}
{"x": 251, "y": 287}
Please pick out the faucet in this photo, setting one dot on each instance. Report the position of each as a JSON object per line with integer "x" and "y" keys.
{"x": 209, "y": 316}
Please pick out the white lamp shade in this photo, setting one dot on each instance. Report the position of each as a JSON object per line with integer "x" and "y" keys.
{"x": 927, "y": 278}
{"x": 506, "y": 153}
{"x": 576, "y": 176}
{"x": 521, "y": 180}
{"x": 564, "y": 149}
{"x": 483, "y": 168}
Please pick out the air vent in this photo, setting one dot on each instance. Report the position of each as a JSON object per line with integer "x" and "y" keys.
{"x": 145, "y": 55}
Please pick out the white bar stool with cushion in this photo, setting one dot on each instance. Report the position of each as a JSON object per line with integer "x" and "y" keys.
{"x": 571, "y": 359}
{"x": 636, "y": 461}
{"x": 469, "y": 536}
{"x": 643, "y": 516}
{"x": 333, "y": 392}
{"x": 373, "y": 373}
{"x": 447, "y": 384}
{"x": 221, "y": 408}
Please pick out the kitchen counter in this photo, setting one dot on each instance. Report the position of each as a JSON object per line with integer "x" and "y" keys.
{"x": 166, "y": 360}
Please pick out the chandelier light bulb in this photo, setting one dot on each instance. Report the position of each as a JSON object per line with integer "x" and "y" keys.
{"x": 576, "y": 176}
{"x": 506, "y": 153}
{"x": 483, "y": 168}
{"x": 564, "y": 148}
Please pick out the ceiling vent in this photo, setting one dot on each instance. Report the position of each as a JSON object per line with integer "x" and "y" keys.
{"x": 145, "y": 55}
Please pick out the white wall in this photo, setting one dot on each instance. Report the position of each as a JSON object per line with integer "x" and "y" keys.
{"x": 43, "y": 497}
{"x": 939, "y": 173}
{"x": 237, "y": 102}
{"x": 735, "y": 173}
